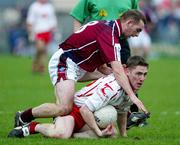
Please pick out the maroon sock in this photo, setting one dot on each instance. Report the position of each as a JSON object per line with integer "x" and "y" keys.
{"x": 27, "y": 116}
{"x": 32, "y": 126}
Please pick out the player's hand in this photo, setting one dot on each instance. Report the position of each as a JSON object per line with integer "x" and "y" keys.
{"x": 139, "y": 104}
{"x": 136, "y": 119}
{"x": 108, "y": 131}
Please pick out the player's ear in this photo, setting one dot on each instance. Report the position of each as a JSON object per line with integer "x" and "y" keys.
{"x": 130, "y": 22}
{"x": 125, "y": 68}
{"x": 124, "y": 65}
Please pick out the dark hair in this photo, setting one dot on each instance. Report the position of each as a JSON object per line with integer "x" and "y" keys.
{"x": 134, "y": 61}
{"x": 135, "y": 15}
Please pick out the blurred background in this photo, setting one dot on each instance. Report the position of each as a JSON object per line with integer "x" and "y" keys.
{"x": 164, "y": 28}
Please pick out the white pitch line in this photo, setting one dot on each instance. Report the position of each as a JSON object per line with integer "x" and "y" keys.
{"x": 177, "y": 112}
{"x": 166, "y": 113}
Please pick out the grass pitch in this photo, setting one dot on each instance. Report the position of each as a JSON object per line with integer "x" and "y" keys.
{"x": 20, "y": 89}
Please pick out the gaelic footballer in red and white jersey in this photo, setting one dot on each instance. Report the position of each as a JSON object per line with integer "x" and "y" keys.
{"x": 104, "y": 91}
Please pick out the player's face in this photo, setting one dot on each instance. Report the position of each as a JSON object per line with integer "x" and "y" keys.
{"x": 136, "y": 76}
{"x": 133, "y": 29}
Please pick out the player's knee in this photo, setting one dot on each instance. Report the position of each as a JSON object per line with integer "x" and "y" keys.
{"x": 63, "y": 109}
{"x": 67, "y": 109}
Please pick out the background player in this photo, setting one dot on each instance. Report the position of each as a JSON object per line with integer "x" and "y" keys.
{"x": 41, "y": 23}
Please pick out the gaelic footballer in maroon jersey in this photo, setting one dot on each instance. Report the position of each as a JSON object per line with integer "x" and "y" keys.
{"x": 94, "y": 44}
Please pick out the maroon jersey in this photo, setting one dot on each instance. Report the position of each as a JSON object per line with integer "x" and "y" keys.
{"x": 94, "y": 44}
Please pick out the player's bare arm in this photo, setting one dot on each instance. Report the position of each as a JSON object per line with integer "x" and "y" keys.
{"x": 88, "y": 117}
{"x": 122, "y": 121}
{"x": 90, "y": 120}
{"x": 104, "y": 69}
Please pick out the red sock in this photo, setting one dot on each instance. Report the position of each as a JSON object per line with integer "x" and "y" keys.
{"x": 32, "y": 126}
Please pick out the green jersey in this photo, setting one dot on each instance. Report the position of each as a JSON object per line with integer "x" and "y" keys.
{"x": 89, "y": 10}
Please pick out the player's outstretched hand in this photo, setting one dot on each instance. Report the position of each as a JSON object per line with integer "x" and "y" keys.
{"x": 137, "y": 118}
{"x": 140, "y": 105}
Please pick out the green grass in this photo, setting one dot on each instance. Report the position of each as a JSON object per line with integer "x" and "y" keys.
{"x": 20, "y": 89}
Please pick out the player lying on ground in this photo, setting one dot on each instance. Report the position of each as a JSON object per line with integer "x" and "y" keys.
{"x": 104, "y": 91}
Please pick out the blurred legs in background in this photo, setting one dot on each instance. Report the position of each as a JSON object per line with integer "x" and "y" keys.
{"x": 39, "y": 61}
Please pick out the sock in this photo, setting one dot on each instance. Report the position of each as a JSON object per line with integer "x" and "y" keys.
{"x": 128, "y": 113}
{"x": 32, "y": 126}
{"x": 27, "y": 116}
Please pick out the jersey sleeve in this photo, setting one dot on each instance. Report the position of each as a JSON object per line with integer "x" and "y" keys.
{"x": 80, "y": 11}
{"x": 124, "y": 106}
{"x": 109, "y": 47}
{"x": 101, "y": 97}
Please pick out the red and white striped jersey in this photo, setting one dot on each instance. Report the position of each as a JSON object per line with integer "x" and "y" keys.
{"x": 42, "y": 17}
{"x": 104, "y": 91}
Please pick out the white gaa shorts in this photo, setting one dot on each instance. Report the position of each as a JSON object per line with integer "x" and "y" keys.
{"x": 67, "y": 70}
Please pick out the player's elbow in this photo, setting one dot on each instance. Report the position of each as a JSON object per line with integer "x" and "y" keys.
{"x": 84, "y": 110}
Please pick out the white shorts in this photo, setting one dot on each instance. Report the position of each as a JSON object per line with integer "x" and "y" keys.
{"x": 67, "y": 70}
